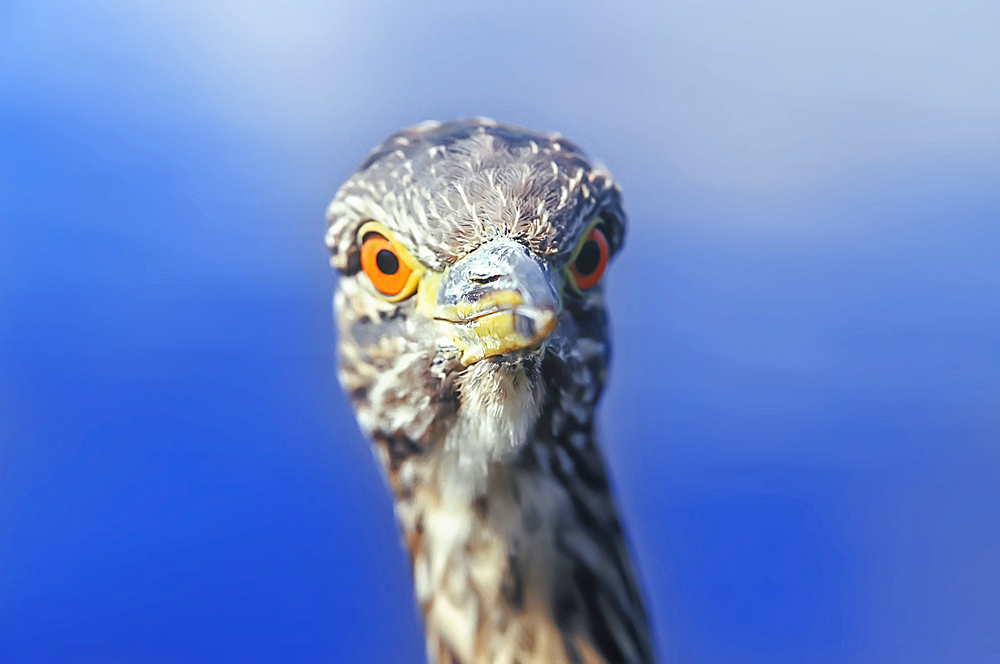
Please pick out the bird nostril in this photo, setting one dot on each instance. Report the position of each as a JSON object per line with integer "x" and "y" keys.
{"x": 484, "y": 279}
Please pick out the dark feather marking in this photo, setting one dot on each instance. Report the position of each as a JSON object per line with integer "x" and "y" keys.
{"x": 359, "y": 394}
{"x": 399, "y": 446}
{"x": 513, "y": 584}
{"x": 588, "y": 590}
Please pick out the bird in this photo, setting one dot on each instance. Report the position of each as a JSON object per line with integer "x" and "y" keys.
{"x": 473, "y": 344}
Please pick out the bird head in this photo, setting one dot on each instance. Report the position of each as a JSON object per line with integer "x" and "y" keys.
{"x": 469, "y": 303}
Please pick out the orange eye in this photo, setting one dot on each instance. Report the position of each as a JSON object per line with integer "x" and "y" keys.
{"x": 591, "y": 259}
{"x": 382, "y": 264}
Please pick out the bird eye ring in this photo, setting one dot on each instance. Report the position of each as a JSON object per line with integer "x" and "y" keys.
{"x": 388, "y": 265}
{"x": 589, "y": 260}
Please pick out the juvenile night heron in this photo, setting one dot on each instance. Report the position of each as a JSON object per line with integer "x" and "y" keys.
{"x": 473, "y": 344}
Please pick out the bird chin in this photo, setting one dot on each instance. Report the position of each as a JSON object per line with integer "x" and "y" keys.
{"x": 501, "y": 398}
{"x": 527, "y": 358}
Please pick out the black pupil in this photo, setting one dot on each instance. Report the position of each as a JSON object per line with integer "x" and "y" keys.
{"x": 387, "y": 262}
{"x": 588, "y": 259}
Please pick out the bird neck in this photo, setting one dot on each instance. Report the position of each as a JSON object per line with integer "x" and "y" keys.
{"x": 487, "y": 566}
{"x": 528, "y": 562}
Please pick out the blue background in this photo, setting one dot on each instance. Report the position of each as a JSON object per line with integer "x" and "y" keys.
{"x": 804, "y": 413}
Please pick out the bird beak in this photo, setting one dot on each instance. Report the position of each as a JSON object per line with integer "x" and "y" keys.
{"x": 498, "y": 299}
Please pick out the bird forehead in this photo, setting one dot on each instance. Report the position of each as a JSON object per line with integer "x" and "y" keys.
{"x": 445, "y": 189}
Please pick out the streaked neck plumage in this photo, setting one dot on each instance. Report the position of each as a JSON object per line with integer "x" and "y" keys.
{"x": 516, "y": 548}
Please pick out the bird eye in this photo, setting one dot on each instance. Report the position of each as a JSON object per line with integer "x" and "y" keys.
{"x": 591, "y": 259}
{"x": 380, "y": 261}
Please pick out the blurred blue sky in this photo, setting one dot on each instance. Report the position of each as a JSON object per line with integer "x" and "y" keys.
{"x": 804, "y": 413}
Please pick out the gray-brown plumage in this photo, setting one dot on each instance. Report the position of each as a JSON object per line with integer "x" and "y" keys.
{"x": 473, "y": 344}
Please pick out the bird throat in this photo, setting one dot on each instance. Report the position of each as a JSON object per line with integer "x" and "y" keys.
{"x": 500, "y": 402}
{"x": 479, "y": 529}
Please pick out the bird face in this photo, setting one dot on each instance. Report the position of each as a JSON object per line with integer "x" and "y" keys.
{"x": 469, "y": 304}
